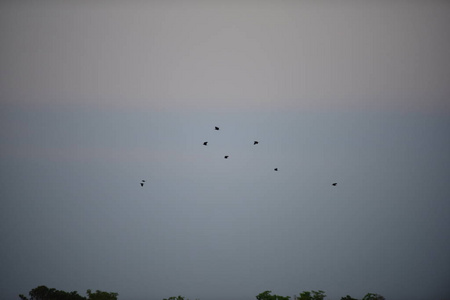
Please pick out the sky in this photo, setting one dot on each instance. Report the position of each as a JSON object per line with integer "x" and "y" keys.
{"x": 96, "y": 96}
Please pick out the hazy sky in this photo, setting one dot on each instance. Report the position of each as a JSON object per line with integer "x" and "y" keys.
{"x": 98, "y": 95}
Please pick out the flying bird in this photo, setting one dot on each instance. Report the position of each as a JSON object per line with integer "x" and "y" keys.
{"x": 216, "y": 128}
{"x": 205, "y": 143}
{"x": 226, "y": 156}
{"x": 276, "y": 169}
{"x": 334, "y": 184}
{"x": 142, "y": 184}
{"x": 255, "y": 143}
{"x": 143, "y": 180}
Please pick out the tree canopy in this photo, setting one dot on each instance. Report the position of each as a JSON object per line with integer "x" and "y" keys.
{"x": 44, "y": 293}
{"x": 267, "y": 296}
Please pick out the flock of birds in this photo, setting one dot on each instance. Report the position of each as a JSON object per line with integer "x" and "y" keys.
{"x": 226, "y": 157}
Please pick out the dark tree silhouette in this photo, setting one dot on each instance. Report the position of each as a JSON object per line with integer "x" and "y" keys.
{"x": 175, "y": 298}
{"x": 313, "y": 295}
{"x": 44, "y": 293}
{"x": 99, "y": 295}
{"x": 372, "y": 296}
{"x": 267, "y": 296}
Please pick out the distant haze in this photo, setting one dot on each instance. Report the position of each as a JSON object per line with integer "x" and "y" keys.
{"x": 97, "y": 96}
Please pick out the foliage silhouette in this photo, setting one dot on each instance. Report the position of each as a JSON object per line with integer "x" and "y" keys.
{"x": 313, "y": 295}
{"x": 267, "y": 296}
{"x": 99, "y": 295}
{"x": 371, "y": 296}
{"x": 175, "y": 298}
{"x": 44, "y": 293}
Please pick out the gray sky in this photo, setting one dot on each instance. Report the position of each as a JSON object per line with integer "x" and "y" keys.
{"x": 96, "y": 96}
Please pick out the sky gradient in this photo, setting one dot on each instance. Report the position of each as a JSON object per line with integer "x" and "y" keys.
{"x": 96, "y": 96}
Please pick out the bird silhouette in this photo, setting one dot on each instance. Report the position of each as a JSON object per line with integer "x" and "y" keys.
{"x": 216, "y": 128}
{"x": 143, "y": 180}
{"x": 226, "y": 156}
{"x": 205, "y": 143}
{"x": 334, "y": 184}
{"x": 276, "y": 169}
{"x": 142, "y": 184}
{"x": 255, "y": 143}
